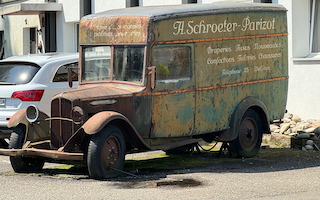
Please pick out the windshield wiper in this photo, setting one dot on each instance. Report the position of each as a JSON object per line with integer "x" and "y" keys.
{"x": 6, "y": 83}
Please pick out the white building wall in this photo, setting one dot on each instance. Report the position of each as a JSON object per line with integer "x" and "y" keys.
{"x": 66, "y": 40}
{"x": 163, "y": 2}
{"x": 13, "y": 27}
{"x": 303, "y": 94}
{"x": 71, "y": 10}
{"x": 103, "y": 5}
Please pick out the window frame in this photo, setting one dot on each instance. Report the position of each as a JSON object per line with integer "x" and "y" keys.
{"x": 312, "y": 25}
{"x": 112, "y": 46}
{"x": 190, "y": 61}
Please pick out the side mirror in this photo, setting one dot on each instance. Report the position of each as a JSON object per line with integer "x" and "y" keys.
{"x": 152, "y": 73}
{"x": 70, "y": 74}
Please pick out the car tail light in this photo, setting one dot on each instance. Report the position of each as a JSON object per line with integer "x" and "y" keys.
{"x": 28, "y": 95}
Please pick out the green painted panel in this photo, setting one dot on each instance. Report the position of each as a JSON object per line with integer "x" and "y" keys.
{"x": 220, "y": 25}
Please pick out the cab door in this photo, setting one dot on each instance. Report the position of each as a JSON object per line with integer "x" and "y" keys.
{"x": 173, "y": 98}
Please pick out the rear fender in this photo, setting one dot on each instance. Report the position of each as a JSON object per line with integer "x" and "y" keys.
{"x": 249, "y": 102}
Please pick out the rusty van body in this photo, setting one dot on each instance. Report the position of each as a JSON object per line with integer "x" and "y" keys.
{"x": 162, "y": 78}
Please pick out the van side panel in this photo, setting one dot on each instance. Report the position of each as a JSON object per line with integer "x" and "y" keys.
{"x": 236, "y": 55}
{"x": 221, "y": 87}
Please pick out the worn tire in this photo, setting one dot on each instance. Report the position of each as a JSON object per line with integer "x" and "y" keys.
{"x": 22, "y": 164}
{"x": 248, "y": 141}
{"x": 106, "y": 153}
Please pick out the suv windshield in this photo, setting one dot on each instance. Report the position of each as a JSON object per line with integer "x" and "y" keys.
{"x": 127, "y": 63}
{"x": 16, "y": 73}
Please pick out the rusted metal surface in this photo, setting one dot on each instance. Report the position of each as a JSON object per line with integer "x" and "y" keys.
{"x": 248, "y": 134}
{"x": 236, "y": 54}
{"x": 123, "y": 29}
{"x": 92, "y": 99}
{"x": 111, "y": 151}
{"x": 40, "y": 130}
{"x": 99, "y": 120}
{"x": 19, "y": 117}
{"x": 53, "y": 154}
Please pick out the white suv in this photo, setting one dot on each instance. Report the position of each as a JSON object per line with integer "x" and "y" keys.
{"x": 32, "y": 79}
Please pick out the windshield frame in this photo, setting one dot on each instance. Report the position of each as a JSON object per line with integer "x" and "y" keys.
{"x": 112, "y": 46}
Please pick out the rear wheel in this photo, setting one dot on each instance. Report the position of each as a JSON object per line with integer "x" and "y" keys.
{"x": 106, "y": 153}
{"x": 22, "y": 164}
{"x": 248, "y": 141}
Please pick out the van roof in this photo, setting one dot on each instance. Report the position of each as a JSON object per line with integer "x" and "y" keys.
{"x": 170, "y": 11}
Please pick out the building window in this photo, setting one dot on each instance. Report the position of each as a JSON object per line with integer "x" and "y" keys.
{"x": 85, "y": 8}
{"x": 315, "y": 27}
{"x": 189, "y": 1}
{"x": 132, "y": 3}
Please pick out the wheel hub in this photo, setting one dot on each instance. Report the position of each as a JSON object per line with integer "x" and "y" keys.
{"x": 249, "y": 133}
{"x": 111, "y": 153}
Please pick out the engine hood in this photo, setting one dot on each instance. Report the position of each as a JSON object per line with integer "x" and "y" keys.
{"x": 103, "y": 91}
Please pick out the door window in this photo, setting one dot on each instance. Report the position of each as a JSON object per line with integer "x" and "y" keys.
{"x": 172, "y": 62}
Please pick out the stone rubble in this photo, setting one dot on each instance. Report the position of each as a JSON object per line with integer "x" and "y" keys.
{"x": 292, "y": 125}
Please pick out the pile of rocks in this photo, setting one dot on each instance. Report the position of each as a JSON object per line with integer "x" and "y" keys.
{"x": 293, "y": 126}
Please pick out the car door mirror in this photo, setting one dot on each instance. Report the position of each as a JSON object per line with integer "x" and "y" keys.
{"x": 71, "y": 73}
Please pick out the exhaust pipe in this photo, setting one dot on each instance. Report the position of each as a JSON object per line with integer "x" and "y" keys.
{"x": 32, "y": 113}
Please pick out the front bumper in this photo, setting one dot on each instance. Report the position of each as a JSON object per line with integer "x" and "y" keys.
{"x": 51, "y": 154}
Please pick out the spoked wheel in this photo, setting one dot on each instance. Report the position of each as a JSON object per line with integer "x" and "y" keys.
{"x": 248, "y": 142}
{"x": 106, "y": 153}
{"x": 22, "y": 164}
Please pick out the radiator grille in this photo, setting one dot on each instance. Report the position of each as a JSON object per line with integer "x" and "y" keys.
{"x": 61, "y": 130}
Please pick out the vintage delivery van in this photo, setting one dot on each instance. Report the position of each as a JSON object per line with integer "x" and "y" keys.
{"x": 162, "y": 78}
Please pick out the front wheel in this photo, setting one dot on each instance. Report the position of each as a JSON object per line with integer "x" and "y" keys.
{"x": 106, "y": 153}
{"x": 22, "y": 164}
{"x": 248, "y": 141}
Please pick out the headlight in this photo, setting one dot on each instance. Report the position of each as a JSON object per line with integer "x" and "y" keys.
{"x": 77, "y": 114}
{"x": 32, "y": 113}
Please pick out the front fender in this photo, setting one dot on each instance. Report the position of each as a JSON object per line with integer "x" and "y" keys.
{"x": 100, "y": 120}
{"x": 39, "y": 130}
{"x": 18, "y": 118}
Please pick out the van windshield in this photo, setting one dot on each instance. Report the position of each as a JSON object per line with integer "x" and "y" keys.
{"x": 127, "y": 63}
